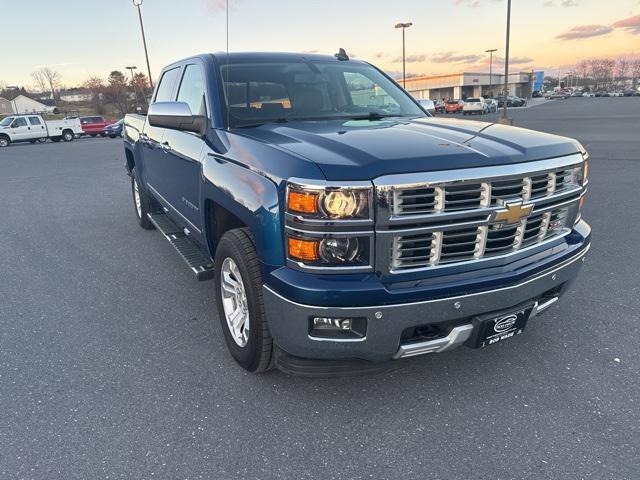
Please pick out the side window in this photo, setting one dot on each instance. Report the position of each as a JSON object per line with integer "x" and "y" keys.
{"x": 165, "y": 88}
{"x": 192, "y": 89}
{"x": 35, "y": 121}
{"x": 19, "y": 122}
{"x": 365, "y": 93}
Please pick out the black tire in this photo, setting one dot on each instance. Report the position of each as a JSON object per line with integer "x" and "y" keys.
{"x": 5, "y": 141}
{"x": 93, "y": 134}
{"x": 67, "y": 136}
{"x": 257, "y": 355}
{"x": 42, "y": 140}
{"x": 146, "y": 203}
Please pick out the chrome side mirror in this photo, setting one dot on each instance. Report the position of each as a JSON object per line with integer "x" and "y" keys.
{"x": 176, "y": 116}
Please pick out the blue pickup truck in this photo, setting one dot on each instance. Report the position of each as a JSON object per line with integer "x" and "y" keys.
{"x": 343, "y": 226}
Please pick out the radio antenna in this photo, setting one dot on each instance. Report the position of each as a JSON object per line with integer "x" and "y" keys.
{"x": 226, "y": 83}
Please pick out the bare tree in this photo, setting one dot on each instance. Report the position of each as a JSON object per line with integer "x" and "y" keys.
{"x": 117, "y": 91}
{"x": 47, "y": 79}
{"x": 622, "y": 69}
{"x": 40, "y": 81}
{"x": 95, "y": 86}
{"x": 583, "y": 71}
{"x": 140, "y": 85}
{"x": 635, "y": 72}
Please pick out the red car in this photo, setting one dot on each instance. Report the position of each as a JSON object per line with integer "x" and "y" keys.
{"x": 453, "y": 106}
{"x": 94, "y": 125}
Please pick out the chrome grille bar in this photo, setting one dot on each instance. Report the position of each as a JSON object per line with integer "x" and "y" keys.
{"x": 444, "y": 218}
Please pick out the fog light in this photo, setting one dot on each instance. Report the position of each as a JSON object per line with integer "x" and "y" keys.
{"x": 336, "y": 327}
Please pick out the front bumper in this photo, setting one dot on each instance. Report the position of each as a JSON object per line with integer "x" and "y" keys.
{"x": 289, "y": 320}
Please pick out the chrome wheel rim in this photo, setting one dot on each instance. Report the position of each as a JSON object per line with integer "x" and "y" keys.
{"x": 234, "y": 302}
{"x": 67, "y": 137}
{"x": 136, "y": 198}
{"x": 3, "y": 142}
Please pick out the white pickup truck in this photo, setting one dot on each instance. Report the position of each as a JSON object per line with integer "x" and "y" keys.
{"x": 33, "y": 128}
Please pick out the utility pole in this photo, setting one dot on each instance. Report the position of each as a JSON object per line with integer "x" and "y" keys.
{"x": 403, "y": 26}
{"x": 138, "y": 4}
{"x": 505, "y": 118}
{"x": 490, "y": 52}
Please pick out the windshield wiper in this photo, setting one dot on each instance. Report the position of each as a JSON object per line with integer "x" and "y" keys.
{"x": 374, "y": 116}
{"x": 259, "y": 124}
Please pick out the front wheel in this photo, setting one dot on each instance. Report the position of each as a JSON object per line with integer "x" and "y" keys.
{"x": 141, "y": 202}
{"x": 4, "y": 141}
{"x": 239, "y": 300}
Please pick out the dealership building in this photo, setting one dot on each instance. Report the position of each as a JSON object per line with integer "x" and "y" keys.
{"x": 468, "y": 84}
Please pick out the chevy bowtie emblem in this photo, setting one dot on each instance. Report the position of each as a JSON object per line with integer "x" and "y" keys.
{"x": 512, "y": 213}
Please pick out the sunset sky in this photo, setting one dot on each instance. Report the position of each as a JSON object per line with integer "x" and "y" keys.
{"x": 80, "y": 38}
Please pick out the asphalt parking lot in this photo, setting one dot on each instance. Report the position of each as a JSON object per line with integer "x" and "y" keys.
{"x": 113, "y": 364}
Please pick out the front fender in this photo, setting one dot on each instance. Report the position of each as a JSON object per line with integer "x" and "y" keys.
{"x": 252, "y": 198}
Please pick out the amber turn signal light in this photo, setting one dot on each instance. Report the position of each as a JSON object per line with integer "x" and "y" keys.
{"x": 306, "y": 250}
{"x": 303, "y": 202}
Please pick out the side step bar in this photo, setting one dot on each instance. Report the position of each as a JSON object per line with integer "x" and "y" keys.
{"x": 199, "y": 262}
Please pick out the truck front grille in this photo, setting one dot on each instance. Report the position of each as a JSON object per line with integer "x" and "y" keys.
{"x": 434, "y": 219}
{"x": 469, "y": 195}
{"x": 472, "y": 243}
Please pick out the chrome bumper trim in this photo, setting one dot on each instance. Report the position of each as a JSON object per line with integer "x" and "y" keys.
{"x": 456, "y": 337}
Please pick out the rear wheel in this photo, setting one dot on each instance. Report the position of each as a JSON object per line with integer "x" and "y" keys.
{"x": 67, "y": 135}
{"x": 141, "y": 202}
{"x": 238, "y": 285}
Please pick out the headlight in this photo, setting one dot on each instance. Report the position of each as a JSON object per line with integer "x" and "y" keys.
{"x": 329, "y": 202}
{"x": 329, "y": 251}
{"x": 579, "y": 174}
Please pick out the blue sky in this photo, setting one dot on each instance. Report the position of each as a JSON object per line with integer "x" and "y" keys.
{"x": 82, "y": 38}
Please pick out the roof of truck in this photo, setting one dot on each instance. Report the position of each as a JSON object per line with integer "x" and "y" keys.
{"x": 236, "y": 57}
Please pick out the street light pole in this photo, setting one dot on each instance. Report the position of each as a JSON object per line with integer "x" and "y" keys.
{"x": 133, "y": 82}
{"x": 403, "y": 26}
{"x": 138, "y": 3}
{"x": 505, "y": 118}
{"x": 490, "y": 52}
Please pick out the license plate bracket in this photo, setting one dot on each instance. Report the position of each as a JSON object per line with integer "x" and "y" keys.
{"x": 497, "y": 327}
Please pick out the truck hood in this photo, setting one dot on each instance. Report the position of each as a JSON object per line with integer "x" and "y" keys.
{"x": 366, "y": 149}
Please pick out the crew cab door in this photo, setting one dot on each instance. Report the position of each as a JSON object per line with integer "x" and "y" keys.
{"x": 20, "y": 130}
{"x": 182, "y": 165}
{"x": 38, "y": 128}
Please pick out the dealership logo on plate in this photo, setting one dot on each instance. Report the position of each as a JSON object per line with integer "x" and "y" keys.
{"x": 505, "y": 324}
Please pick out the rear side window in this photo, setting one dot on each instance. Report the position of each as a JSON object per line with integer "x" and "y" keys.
{"x": 192, "y": 89}
{"x": 34, "y": 121}
{"x": 165, "y": 88}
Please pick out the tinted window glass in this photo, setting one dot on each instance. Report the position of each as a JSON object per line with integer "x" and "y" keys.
{"x": 166, "y": 85}
{"x": 19, "y": 122}
{"x": 34, "y": 121}
{"x": 192, "y": 89}
{"x": 264, "y": 92}
{"x": 367, "y": 93}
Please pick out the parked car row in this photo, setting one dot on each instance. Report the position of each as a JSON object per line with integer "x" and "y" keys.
{"x": 34, "y": 128}
{"x": 564, "y": 94}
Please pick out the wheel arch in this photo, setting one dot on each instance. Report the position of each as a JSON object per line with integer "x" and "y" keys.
{"x": 242, "y": 198}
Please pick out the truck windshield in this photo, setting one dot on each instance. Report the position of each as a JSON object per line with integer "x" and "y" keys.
{"x": 265, "y": 92}
{"x": 6, "y": 122}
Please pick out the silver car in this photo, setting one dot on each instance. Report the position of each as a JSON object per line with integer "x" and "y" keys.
{"x": 428, "y": 105}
